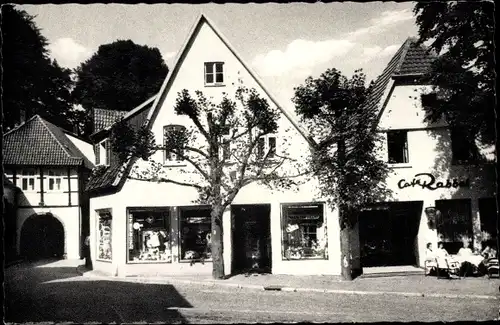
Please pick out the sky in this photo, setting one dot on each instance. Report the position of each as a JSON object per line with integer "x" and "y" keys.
{"x": 284, "y": 43}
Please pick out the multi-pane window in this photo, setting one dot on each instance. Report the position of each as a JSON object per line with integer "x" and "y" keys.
{"x": 304, "y": 231}
{"x": 397, "y": 147}
{"x": 462, "y": 147}
{"x": 28, "y": 180}
{"x": 149, "y": 236}
{"x": 54, "y": 180}
{"x": 104, "y": 247}
{"x": 173, "y": 140}
{"x": 214, "y": 73}
{"x": 107, "y": 146}
{"x": 266, "y": 145}
{"x": 195, "y": 233}
{"x": 97, "y": 151}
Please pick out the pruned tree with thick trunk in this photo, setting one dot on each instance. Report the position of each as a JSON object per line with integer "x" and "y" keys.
{"x": 225, "y": 149}
{"x": 345, "y": 160}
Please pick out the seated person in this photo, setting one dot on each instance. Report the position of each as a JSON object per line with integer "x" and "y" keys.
{"x": 430, "y": 259}
{"x": 465, "y": 250}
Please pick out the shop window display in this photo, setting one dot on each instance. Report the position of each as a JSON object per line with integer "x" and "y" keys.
{"x": 195, "y": 234}
{"x": 149, "y": 236}
{"x": 104, "y": 237}
{"x": 304, "y": 232}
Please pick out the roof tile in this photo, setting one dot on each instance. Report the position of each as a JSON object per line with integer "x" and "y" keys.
{"x": 38, "y": 142}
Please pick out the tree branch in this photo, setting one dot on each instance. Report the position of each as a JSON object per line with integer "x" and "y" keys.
{"x": 165, "y": 180}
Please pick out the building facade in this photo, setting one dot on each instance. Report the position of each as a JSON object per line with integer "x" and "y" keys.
{"x": 47, "y": 169}
{"x": 141, "y": 226}
{"x": 443, "y": 187}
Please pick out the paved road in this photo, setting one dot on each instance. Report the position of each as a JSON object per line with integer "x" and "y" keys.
{"x": 56, "y": 293}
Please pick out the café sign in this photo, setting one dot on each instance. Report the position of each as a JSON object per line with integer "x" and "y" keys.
{"x": 428, "y": 181}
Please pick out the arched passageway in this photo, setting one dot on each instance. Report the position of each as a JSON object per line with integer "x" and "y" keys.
{"x": 42, "y": 236}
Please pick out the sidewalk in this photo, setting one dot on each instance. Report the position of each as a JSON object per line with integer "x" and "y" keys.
{"x": 411, "y": 285}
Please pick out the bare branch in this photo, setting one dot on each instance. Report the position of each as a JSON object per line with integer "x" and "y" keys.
{"x": 164, "y": 180}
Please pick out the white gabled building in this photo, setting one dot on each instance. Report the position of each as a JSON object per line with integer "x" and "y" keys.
{"x": 139, "y": 227}
{"x": 434, "y": 169}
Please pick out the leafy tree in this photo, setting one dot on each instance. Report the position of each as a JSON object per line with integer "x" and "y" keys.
{"x": 223, "y": 148}
{"x": 463, "y": 75}
{"x": 119, "y": 76}
{"x": 33, "y": 84}
{"x": 345, "y": 159}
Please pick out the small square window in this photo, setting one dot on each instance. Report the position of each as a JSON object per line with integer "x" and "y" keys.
{"x": 397, "y": 147}
{"x": 214, "y": 73}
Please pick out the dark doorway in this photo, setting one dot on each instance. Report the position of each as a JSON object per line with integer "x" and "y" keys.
{"x": 251, "y": 226}
{"x": 388, "y": 234}
{"x": 42, "y": 236}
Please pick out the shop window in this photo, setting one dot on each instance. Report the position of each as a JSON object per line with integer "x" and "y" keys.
{"x": 463, "y": 148}
{"x": 28, "y": 181}
{"x": 454, "y": 223}
{"x": 397, "y": 147}
{"x": 104, "y": 243}
{"x": 173, "y": 137}
{"x": 488, "y": 216}
{"x": 214, "y": 73}
{"x": 149, "y": 236}
{"x": 195, "y": 228}
{"x": 304, "y": 232}
{"x": 54, "y": 180}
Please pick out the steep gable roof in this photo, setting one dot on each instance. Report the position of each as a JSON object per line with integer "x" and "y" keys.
{"x": 202, "y": 19}
{"x": 410, "y": 60}
{"x": 39, "y": 142}
{"x": 105, "y": 117}
{"x": 160, "y": 97}
{"x": 106, "y": 179}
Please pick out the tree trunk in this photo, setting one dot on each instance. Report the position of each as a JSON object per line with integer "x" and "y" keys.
{"x": 345, "y": 249}
{"x": 217, "y": 245}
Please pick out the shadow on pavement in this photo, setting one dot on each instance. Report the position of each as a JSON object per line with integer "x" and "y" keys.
{"x": 40, "y": 293}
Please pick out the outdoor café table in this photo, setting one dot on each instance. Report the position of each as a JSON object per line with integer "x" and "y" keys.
{"x": 472, "y": 259}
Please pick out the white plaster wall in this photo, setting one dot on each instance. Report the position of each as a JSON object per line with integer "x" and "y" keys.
{"x": 85, "y": 147}
{"x": 207, "y": 47}
{"x": 69, "y": 218}
{"x": 429, "y": 150}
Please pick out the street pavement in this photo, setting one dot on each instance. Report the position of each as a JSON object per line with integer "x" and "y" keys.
{"x": 55, "y": 292}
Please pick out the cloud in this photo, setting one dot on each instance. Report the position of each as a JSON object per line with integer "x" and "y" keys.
{"x": 300, "y": 56}
{"x": 386, "y": 20}
{"x": 168, "y": 55}
{"x": 68, "y": 52}
{"x": 370, "y": 53}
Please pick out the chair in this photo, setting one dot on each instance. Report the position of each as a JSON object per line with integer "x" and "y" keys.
{"x": 430, "y": 264}
{"x": 450, "y": 266}
{"x": 491, "y": 266}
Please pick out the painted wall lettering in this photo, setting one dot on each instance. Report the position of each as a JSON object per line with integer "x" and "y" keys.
{"x": 428, "y": 181}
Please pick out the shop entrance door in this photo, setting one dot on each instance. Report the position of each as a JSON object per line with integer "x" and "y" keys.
{"x": 388, "y": 234}
{"x": 251, "y": 226}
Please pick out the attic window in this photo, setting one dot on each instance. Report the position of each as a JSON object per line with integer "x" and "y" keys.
{"x": 397, "y": 145}
{"x": 214, "y": 73}
{"x": 107, "y": 146}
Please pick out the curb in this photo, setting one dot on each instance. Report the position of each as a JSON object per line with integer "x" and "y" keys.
{"x": 214, "y": 283}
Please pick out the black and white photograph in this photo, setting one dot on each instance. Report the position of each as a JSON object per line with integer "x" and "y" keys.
{"x": 219, "y": 163}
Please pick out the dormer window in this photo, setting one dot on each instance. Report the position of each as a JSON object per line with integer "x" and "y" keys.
{"x": 107, "y": 146}
{"x": 173, "y": 137}
{"x": 97, "y": 152}
{"x": 214, "y": 73}
{"x": 266, "y": 146}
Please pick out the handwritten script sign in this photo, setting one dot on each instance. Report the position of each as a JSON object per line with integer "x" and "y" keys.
{"x": 428, "y": 181}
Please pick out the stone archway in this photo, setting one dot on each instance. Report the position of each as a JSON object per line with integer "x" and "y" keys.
{"x": 42, "y": 236}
